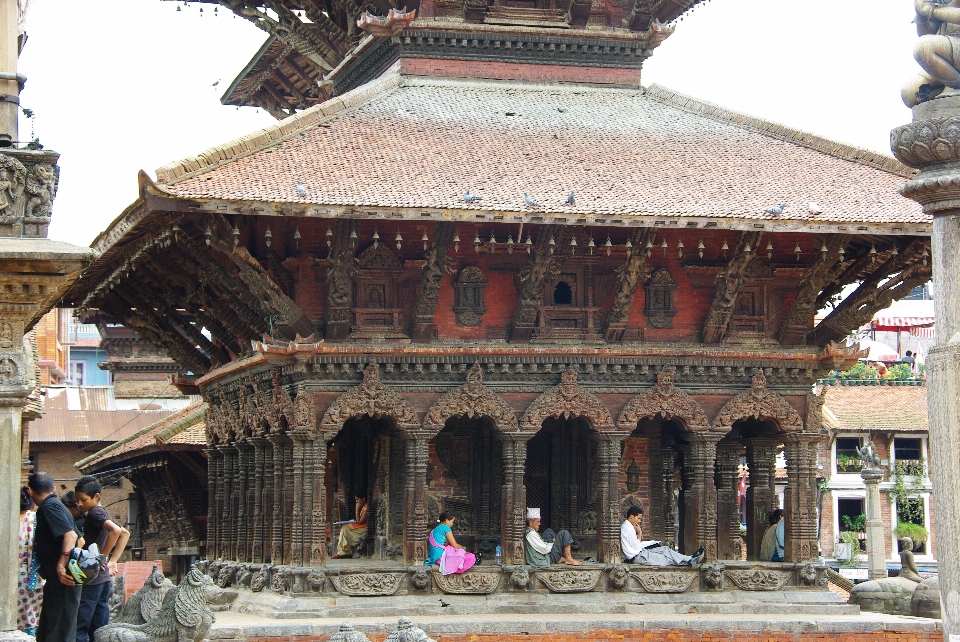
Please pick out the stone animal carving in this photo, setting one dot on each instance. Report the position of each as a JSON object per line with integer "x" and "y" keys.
{"x": 421, "y": 579}
{"x": 619, "y": 575}
{"x": 42, "y": 188}
{"x": 868, "y": 455}
{"x": 115, "y": 603}
{"x": 146, "y": 601}
{"x": 520, "y": 578}
{"x": 185, "y": 615}
{"x": 407, "y": 632}
{"x": 713, "y": 576}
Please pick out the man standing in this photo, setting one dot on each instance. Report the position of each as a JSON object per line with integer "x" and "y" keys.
{"x": 544, "y": 553}
{"x": 53, "y": 542}
{"x": 651, "y": 553}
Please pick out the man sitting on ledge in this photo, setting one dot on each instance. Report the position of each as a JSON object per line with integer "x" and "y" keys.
{"x": 651, "y": 553}
{"x": 544, "y": 552}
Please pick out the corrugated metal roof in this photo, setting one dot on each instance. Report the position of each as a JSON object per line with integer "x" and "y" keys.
{"x": 91, "y": 414}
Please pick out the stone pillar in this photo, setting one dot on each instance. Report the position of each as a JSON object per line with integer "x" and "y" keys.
{"x": 228, "y": 527}
{"x": 11, "y": 404}
{"x": 257, "y": 536}
{"x": 244, "y": 503}
{"x": 318, "y": 551}
{"x": 700, "y": 494}
{"x": 728, "y": 508}
{"x": 609, "y": 516}
{"x": 800, "y": 497}
{"x": 762, "y": 491}
{"x": 936, "y": 189}
{"x": 278, "y": 539}
{"x": 267, "y": 502}
{"x": 299, "y": 510}
{"x": 214, "y": 510}
{"x": 9, "y": 53}
{"x": 668, "y": 462}
{"x": 514, "y": 497}
{"x": 876, "y": 546}
{"x": 415, "y": 497}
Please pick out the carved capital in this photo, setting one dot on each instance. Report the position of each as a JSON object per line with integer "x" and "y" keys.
{"x": 759, "y": 403}
{"x": 568, "y": 399}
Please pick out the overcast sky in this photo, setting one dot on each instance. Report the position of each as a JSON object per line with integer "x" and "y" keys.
{"x": 123, "y": 85}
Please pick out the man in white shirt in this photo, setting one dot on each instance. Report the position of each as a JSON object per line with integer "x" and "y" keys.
{"x": 541, "y": 553}
{"x": 651, "y": 553}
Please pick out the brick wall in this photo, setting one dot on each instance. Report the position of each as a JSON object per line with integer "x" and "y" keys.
{"x": 135, "y": 574}
{"x": 657, "y": 635}
{"x": 519, "y": 71}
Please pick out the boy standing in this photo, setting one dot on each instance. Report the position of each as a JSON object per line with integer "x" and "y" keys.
{"x": 110, "y": 538}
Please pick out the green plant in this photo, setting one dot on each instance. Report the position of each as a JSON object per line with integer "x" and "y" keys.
{"x": 899, "y": 371}
{"x": 856, "y": 524}
{"x": 853, "y": 540}
{"x": 908, "y": 499}
{"x": 849, "y": 462}
{"x": 916, "y": 532}
{"x": 860, "y": 370}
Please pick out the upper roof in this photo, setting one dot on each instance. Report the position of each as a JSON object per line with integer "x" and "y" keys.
{"x": 862, "y": 408}
{"x": 185, "y": 429}
{"x": 418, "y": 144}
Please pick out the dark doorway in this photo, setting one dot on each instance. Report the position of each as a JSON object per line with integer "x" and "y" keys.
{"x": 562, "y": 294}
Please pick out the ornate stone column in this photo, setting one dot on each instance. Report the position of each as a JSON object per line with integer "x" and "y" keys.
{"x": 928, "y": 145}
{"x": 728, "y": 508}
{"x": 214, "y": 508}
{"x": 700, "y": 494}
{"x": 762, "y": 492}
{"x": 609, "y": 516}
{"x": 514, "y": 497}
{"x": 267, "y": 502}
{"x": 299, "y": 508}
{"x": 260, "y": 446}
{"x": 279, "y": 540}
{"x": 244, "y": 503}
{"x": 415, "y": 496}
{"x": 876, "y": 546}
{"x": 228, "y": 538}
{"x": 668, "y": 463}
{"x": 318, "y": 551}
{"x": 800, "y": 497}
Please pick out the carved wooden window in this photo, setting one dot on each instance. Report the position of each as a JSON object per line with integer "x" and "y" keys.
{"x": 659, "y": 304}
{"x": 468, "y": 296}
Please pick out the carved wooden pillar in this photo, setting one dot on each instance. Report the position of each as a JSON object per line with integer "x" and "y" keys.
{"x": 609, "y": 517}
{"x": 800, "y": 498}
{"x": 257, "y": 537}
{"x": 415, "y": 497}
{"x": 299, "y": 509}
{"x": 228, "y": 517}
{"x": 762, "y": 492}
{"x": 318, "y": 551}
{"x": 700, "y": 495}
{"x": 668, "y": 460}
{"x": 656, "y": 486}
{"x": 267, "y": 502}
{"x": 279, "y": 540}
{"x": 244, "y": 503}
{"x": 728, "y": 508}
{"x": 514, "y": 497}
{"x": 214, "y": 510}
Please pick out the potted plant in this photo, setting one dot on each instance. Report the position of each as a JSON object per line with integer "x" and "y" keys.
{"x": 848, "y": 547}
{"x": 916, "y": 532}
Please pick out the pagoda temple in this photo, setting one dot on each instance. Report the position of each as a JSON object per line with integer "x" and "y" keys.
{"x": 477, "y": 267}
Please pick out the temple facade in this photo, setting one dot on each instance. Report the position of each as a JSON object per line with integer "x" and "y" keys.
{"x": 485, "y": 271}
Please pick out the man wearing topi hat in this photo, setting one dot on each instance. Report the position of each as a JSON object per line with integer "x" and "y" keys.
{"x": 543, "y": 553}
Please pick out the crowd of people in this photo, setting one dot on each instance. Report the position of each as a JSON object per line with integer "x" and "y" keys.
{"x": 57, "y": 599}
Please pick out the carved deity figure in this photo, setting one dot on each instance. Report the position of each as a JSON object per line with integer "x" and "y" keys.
{"x": 42, "y": 187}
{"x": 937, "y": 52}
{"x": 908, "y": 567}
{"x": 12, "y": 181}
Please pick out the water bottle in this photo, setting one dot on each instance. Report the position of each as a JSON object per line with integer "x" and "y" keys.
{"x": 498, "y": 556}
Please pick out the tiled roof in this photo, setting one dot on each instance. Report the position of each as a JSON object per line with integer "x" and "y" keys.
{"x": 419, "y": 144}
{"x": 183, "y": 428}
{"x": 876, "y": 408}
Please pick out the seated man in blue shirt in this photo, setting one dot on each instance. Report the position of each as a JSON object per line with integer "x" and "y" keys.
{"x": 651, "y": 553}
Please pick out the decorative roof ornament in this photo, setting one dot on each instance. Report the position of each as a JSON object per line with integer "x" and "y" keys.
{"x": 385, "y": 26}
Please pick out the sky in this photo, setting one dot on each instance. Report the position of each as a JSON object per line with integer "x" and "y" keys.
{"x": 117, "y": 86}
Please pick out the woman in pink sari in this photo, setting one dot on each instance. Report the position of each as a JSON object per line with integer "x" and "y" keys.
{"x": 443, "y": 548}
{"x": 29, "y": 584}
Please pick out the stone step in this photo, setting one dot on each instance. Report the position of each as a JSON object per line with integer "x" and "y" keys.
{"x": 743, "y": 608}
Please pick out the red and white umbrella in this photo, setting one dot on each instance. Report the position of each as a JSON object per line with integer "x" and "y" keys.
{"x": 879, "y": 351}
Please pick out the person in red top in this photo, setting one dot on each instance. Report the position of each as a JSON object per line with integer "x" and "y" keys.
{"x": 353, "y": 532}
{"x": 110, "y": 537}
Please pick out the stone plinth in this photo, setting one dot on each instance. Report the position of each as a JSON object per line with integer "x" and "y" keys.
{"x": 931, "y": 143}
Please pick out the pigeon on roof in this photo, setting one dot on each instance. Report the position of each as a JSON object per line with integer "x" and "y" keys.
{"x": 571, "y": 199}
{"x": 301, "y": 189}
{"x": 529, "y": 201}
{"x": 776, "y": 210}
{"x": 470, "y": 198}
{"x": 814, "y": 209}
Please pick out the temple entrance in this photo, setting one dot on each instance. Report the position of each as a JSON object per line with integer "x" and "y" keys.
{"x": 366, "y": 459}
{"x": 758, "y": 441}
{"x": 562, "y": 478}
{"x": 469, "y": 480}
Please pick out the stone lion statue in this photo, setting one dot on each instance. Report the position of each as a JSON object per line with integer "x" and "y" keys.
{"x": 146, "y": 601}
{"x": 184, "y": 616}
{"x": 407, "y": 632}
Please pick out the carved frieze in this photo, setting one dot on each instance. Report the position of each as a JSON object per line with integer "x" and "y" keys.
{"x": 665, "y": 581}
{"x": 619, "y": 575}
{"x": 520, "y": 578}
{"x": 713, "y": 577}
{"x": 368, "y": 584}
{"x": 659, "y": 305}
{"x": 666, "y": 400}
{"x": 471, "y": 582}
{"x": 729, "y": 282}
{"x": 437, "y": 265}
{"x": 473, "y": 400}
{"x": 369, "y": 398}
{"x": 567, "y": 400}
{"x": 13, "y": 180}
{"x": 569, "y": 581}
{"x": 468, "y": 291}
{"x": 759, "y": 403}
{"x": 758, "y": 579}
